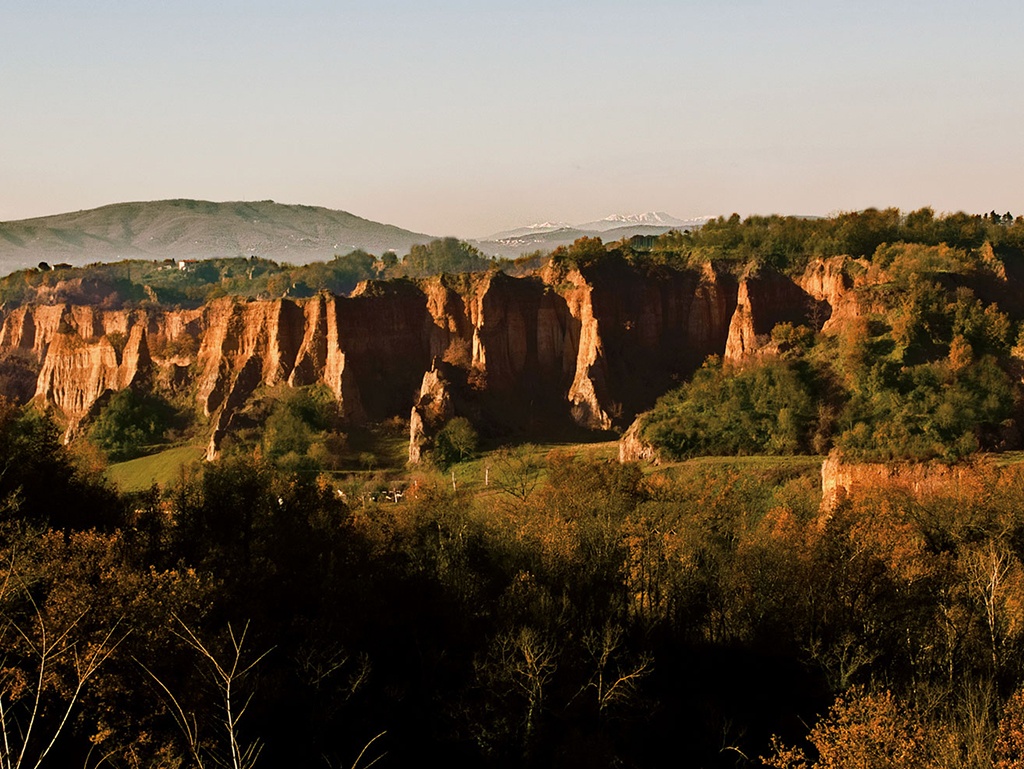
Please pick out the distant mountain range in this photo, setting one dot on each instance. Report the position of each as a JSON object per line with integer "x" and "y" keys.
{"x": 550, "y": 235}
{"x": 650, "y": 219}
{"x": 196, "y": 229}
{"x": 199, "y": 229}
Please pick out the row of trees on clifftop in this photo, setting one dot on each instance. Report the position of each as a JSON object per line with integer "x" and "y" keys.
{"x": 782, "y": 242}
{"x": 787, "y": 242}
{"x": 192, "y": 282}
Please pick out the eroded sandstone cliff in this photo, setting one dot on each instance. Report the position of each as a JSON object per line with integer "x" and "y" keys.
{"x": 767, "y": 299}
{"x": 841, "y": 479}
{"x": 822, "y": 298}
{"x": 595, "y": 345}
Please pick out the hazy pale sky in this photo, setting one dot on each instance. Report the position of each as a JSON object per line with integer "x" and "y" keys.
{"x": 467, "y": 117}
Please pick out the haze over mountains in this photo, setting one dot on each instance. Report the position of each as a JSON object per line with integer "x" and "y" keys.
{"x": 196, "y": 229}
{"x": 550, "y": 235}
{"x": 298, "y": 234}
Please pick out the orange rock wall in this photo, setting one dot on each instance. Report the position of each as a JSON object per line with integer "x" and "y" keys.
{"x": 841, "y": 479}
{"x": 602, "y": 343}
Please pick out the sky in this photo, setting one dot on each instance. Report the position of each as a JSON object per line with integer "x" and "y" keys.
{"x": 466, "y": 117}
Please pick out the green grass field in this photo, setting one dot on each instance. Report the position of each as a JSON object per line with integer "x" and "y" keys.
{"x": 753, "y": 462}
{"x": 388, "y": 448}
{"x": 160, "y": 468}
{"x": 473, "y": 475}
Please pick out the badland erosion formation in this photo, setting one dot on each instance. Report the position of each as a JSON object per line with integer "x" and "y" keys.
{"x": 594, "y": 345}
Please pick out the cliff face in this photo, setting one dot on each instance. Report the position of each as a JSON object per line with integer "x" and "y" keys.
{"x": 595, "y": 346}
{"x": 638, "y": 333}
{"x": 829, "y": 283}
{"x": 767, "y": 299}
{"x": 822, "y": 298}
{"x": 80, "y": 352}
{"x": 841, "y": 479}
{"x": 511, "y": 335}
{"x": 633, "y": 448}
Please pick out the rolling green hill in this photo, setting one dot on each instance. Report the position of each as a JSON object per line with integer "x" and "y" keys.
{"x": 195, "y": 229}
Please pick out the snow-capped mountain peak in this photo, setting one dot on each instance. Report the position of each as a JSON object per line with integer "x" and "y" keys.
{"x": 649, "y": 219}
{"x": 530, "y": 229}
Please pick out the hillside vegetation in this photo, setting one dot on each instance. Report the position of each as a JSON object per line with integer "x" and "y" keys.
{"x": 926, "y": 365}
{"x": 933, "y": 372}
{"x": 572, "y": 611}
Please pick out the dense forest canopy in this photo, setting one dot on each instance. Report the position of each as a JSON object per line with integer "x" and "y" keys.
{"x": 787, "y": 242}
{"x": 580, "y": 613}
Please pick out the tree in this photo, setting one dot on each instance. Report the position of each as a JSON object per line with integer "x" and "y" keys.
{"x": 130, "y": 422}
{"x": 300, "y": 433}
{"x": 456, "y": 442}
{"x": 520, "y": 669}
{"x": 39, "y": 481}
{"x": 615, "y": 681}
{"x": 863, "y": 731}
{"x": 1009, "y": 745}
{"x": 584, "y": 252}
{"x": 445, "y": 255}
{"x": 388, "y": 260}
{"x": 45, "y": 671}
{"x": 230, "y": 673}
{"x": 993, "y": 574}
{"x": 516, "y": 470}
{"x": 761, "y": 408}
